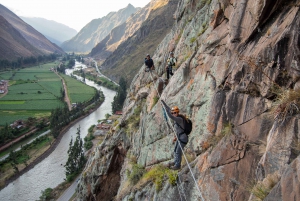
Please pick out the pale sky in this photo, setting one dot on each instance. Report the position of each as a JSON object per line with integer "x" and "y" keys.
{"x": 73, "y": 13}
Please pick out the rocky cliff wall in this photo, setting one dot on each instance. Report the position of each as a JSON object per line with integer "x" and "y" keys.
{"x": 129, "y": 56}
{"x": 237, "y": 78}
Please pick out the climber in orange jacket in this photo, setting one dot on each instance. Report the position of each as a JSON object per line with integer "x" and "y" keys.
{"x": 181, "y": 136}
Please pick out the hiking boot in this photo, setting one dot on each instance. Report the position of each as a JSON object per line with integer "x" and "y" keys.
{"x": 171, "y": 163}
{"x": 174, "y": 167}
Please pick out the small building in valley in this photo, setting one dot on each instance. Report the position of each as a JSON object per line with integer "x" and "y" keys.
{"x": 118, "y": 113}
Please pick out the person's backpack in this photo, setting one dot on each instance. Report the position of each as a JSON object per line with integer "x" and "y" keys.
{"x": 171, "y": 61}
{"x": 188, "y": 125}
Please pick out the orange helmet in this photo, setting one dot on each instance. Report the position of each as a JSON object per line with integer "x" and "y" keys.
{"x": 175, "y": 109}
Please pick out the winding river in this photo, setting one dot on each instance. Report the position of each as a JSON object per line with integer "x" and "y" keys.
{"x": 51, "y": 172}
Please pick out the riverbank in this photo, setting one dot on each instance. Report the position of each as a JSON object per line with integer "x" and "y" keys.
{"x": 50, "y": 149}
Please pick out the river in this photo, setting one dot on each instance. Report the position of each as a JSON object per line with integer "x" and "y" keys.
{"x": 51, "y": 172}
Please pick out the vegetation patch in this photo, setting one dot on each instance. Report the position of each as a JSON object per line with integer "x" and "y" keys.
{"x": 32, "y": 89}
{"x": 88, "y": 138}
{"x": 135, "y": 173}
{"x": 11, "y": 102}
{"x": 155, "y": 100}
{"x": 158, "y": 174}
{"x": 193, "y": 39}
{"x": 262, "y": 188}
{"x": 78, "y": 91}
{"x": 287, "y": 102}
{"x": 98, "y": 80}
{"x": 20, "y": 159}
{"x": 133, "y": 122}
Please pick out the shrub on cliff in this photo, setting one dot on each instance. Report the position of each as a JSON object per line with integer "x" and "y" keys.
{"x": 135, "y": 174}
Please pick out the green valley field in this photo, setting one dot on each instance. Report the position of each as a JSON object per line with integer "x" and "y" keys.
{"x": 35, "y": 91}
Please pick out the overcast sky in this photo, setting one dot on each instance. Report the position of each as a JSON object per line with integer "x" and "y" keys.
{"x": 73, "y": 13}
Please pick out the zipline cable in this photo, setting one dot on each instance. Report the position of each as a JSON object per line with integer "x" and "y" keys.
{"x": 179, "y": 144}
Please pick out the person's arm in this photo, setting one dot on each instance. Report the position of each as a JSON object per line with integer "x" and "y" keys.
{"x": 178, "y": 120}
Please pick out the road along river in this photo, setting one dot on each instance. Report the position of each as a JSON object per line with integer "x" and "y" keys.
{"x": 51, "y": 172}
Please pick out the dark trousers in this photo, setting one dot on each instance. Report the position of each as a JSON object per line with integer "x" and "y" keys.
{"x": 169, "y": 71}
{"x": 178, "y": 153}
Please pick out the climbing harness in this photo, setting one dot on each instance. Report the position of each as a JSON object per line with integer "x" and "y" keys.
{"x": 187, "y": 162}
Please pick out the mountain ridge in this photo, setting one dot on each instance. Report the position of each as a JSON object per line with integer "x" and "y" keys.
{"x": 13, "y": 44}
{"x": 35, "y": 38}
{"x": 92, "y": 33}
{"x": 119, "y": 34}
{"x": 50, "y": 29}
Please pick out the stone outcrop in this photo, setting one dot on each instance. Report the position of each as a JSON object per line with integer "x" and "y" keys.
{"x": 237, "y": 78}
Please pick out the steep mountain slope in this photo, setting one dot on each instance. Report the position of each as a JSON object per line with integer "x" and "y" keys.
{"x": 119, "y": 34}
{"x": 54, "y": 31}
{"x": 128, "y": 57}
{"x": 35, "y": 38}
{"x": 95, "y": 31}
{"x": 13, "y": 44}
{"x": 237, "y": 78}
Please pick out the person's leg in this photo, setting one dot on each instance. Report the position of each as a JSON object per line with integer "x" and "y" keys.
{"x": 168, "y": 76}
{"x": 170, "y": 69}
{"x": 178, "y": 154}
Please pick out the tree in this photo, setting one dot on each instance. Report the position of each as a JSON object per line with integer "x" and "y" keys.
{"x": 46, "y": 194}
{"x": 120, "y": 97}
{"x": 107, "y": 115}
{"x": 76, "y": 159}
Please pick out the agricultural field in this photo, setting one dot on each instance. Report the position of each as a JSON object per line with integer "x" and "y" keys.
{"x": 5, "y": 75}
{"x": 32, "y": 92}
{"x": 78, "y": 91}
{"x": 35, "y": 91}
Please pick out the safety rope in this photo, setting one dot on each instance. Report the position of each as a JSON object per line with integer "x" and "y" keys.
{"x": 179, "y": 143}
{"x": 182, "y": 188}
{"x": 179, "y": 192}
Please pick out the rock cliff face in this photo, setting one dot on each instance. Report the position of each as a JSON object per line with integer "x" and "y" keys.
{"x": 119, "y": 34}
{"x": 127, "y": 58}
{"x": 95, "y": 31}
{"x": 237, "y": 78}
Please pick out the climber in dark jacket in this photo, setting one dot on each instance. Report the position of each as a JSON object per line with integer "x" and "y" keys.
{"x": 149, "y": 63}
{"x": 181, "y": 138}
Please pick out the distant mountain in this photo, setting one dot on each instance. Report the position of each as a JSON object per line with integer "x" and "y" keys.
{"x": 129, "y": 56}
{"x": 119, "y": 34}
{"x": 32, "y": 36}
{"x": 13, "y": 44}
{"x": 54, "y": 31}
{"x": 95, "y": 31}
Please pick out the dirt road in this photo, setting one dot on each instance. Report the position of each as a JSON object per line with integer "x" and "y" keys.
{"x": 67, "y": 99}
